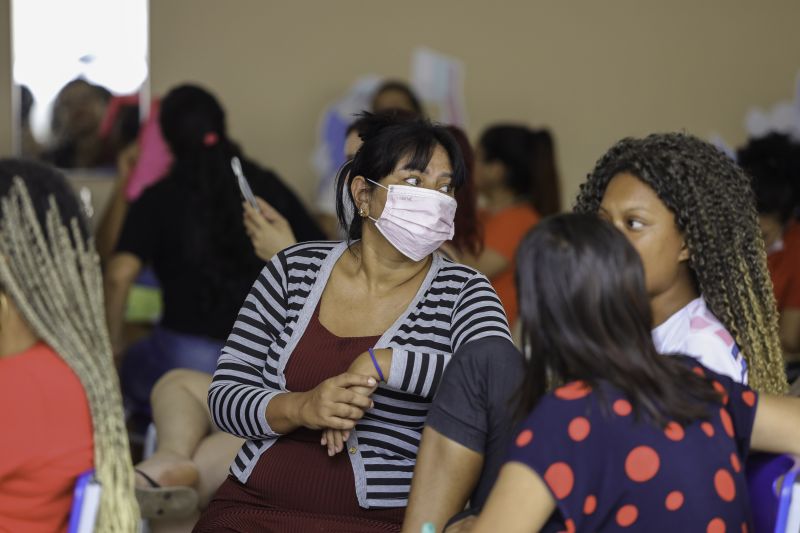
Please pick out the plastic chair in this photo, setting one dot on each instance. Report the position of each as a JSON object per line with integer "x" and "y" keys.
{"x": 85, "y": 504}
{"x": 774, "y": 493}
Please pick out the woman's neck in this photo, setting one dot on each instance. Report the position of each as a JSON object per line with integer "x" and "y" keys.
{"x": 380, "y": 264}
{"x": 15, "y": 335}
{"x": 672, "y": 300}
{"x": 499, "y": 198}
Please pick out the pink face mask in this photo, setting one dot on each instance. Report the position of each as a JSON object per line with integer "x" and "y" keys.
{"x": 415, "y": 220}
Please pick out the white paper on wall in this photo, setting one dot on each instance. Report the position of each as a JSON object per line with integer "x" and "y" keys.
{"x": 439, "y": 82}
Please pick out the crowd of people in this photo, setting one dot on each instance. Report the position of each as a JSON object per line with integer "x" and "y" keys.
{"x": 450, "y": 350}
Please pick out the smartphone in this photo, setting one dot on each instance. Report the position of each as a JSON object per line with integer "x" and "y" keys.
{"x": 244, "y": 186}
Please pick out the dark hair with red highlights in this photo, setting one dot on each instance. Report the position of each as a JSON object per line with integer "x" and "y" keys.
{"x": 469, "y": 230}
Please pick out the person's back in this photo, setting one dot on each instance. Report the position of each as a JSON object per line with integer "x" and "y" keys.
{"x": 61, "y": 410}
{"x": 609, "y": 469}
{"x": 164, "y": 228}
{"x": 47, "y": 440}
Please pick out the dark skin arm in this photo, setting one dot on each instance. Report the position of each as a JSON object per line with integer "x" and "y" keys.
{"x": 444, "y": 477}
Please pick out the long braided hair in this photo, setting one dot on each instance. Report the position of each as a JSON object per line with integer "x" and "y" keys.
{"x": 50, "y": 269}
{"x": 715, "y": 210}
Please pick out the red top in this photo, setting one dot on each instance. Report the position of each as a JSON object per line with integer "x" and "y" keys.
{"x": 504, "y": 231}
{"x": 46, "y": 441}
{"x": 784, "y": 268}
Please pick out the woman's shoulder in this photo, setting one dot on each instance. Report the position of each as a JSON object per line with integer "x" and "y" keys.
{"x": 306, "y": 255}
{"x": 452, "y": 270}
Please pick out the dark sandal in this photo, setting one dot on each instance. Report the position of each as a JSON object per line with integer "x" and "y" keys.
{"x": 156, "y": 501}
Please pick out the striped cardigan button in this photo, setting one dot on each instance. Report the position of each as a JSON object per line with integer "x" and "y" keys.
{"x": 352, "y": 450}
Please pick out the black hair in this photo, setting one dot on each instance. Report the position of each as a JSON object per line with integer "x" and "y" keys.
{"x": 528, "y": 156}
{"x": 193, "y": 124}
{"x": 401, "y": 87}
{"x": 773, "y": 163}
{"x": 387, "y": 139}
{"x": 44, "y": 182}
{"x": 26, "y": 102}
{"x": 586, "y": 317}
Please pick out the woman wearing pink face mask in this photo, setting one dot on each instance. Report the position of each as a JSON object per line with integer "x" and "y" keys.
{"x": 344, "y": 344}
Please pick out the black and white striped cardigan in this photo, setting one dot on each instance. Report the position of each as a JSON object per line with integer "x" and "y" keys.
{"x": 454, "y": 305}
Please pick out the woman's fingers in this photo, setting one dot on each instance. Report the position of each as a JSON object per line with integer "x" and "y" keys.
{"x": 267, "y": 211}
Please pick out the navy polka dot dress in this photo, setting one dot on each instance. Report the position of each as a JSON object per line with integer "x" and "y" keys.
{"x": 609, "y": 471}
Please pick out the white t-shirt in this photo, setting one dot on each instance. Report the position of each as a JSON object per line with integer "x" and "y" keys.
{"x": 695, "y": 331}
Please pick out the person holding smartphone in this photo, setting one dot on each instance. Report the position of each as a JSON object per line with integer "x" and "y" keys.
{"x": 189, "y": 227}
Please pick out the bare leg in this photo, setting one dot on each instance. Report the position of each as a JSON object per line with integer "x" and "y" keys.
{"x": 213, "y": 458}
{"x": 181, "y": 417}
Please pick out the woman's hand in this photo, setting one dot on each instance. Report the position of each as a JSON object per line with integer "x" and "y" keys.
{"x": 333, "y": 404}
{"x": 268, "y": 230}
{"x": 334, "y": 439}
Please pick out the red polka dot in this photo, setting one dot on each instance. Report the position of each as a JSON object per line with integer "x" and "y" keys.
{"x": 622, "y": 407}
{"x": 674, "y": 431}
{"x": 737, "y": 466}
{"x": 573, "y": 391}
{"x": 642, "y": 464}
{"x": 699, "y": 371}
{"x": 560, "y": 479}
{"x": 749, "y": 397}
{"x": 727, "y": 423}
{"x": 674, "y": 500}
{"x": 723, "y": 482}
{"x": 707, "y": 428}
{"x": 579, "y": 429}
{"x": 590, "y": 504}
{"x": 722, "y": 392}
{"x": 524, "y": 438}
{"x": 570, "y": 524}
{"x": 744, "y": 527}
{"x": 717, "y": 525}
{"x": 627, "y": 515}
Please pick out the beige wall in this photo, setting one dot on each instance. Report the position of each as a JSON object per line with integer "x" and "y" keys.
{"x": 5, "y": 78}
{"x": 593, "y": 71}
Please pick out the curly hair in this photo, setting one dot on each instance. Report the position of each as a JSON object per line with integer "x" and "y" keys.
{"x": 715, "y": 210}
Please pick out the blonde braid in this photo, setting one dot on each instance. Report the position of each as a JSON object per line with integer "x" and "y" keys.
{"x": 58, "y": 289}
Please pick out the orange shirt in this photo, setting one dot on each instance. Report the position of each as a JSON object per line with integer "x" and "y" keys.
{"x": 784, "y": 268}
{"x": 46, "y": 440}
{"x": 504, "y": 231}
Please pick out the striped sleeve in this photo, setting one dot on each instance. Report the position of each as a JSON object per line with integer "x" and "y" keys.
{"x": 239, "y": 394}
{"x": 477, "y": 314}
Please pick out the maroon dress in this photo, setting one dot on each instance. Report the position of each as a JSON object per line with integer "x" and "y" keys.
{"x": 295, "y": 486}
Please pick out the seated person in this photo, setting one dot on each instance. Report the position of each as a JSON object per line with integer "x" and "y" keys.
{"x": 614, "y": 434}
{"x": 515, "y": 174}
{"x": 773, "y": 162}
{"x": 693, "y": 309}
{"x": 61, "y": 410}
{"x": 189, "y": 226}
{"x": 298, "y": 371}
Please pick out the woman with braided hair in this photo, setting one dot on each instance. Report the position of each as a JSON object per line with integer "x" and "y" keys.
{"x": 61, "y": 406}
{"x": 689, "y": 212}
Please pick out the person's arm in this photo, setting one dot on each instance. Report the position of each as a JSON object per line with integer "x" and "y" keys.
{"x": 477, "y": 314}
{"x": 519, "y": 502}
{"x": 110, "y": 225}
{"x": 444, "y": 476}
{"x": 776, "y": 428}
{"x": 122, "y": 271}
